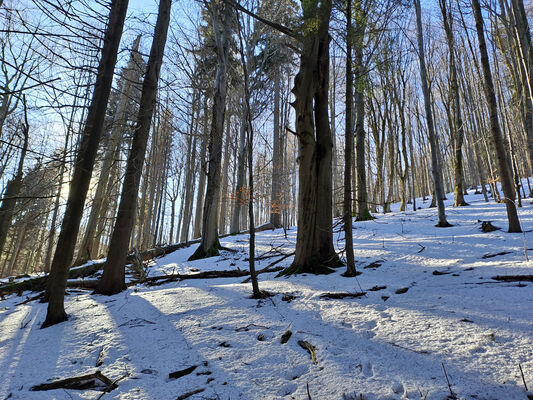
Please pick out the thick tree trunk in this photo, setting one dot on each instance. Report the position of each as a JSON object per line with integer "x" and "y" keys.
{"x": 113, "y": 278}
{"x": 501, "y": 155}
{"x": 437, "y": 176}
{"x": 84, "y": 166}
{"x": 222, "y": 14}
{"x": 314, "y": 242}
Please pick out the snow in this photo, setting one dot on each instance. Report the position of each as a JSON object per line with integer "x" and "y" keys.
{"x": 381, "y": 346}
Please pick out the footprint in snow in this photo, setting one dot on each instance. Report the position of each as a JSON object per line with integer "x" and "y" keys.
{"x": 367, "y": 369}
{"x": 287, "y": 389}
{"x": 295, "y": 372}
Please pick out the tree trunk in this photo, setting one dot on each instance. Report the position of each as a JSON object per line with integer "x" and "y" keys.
{"x": 87, "y": 247}
{"x": 314, "y": 241}
{"x": 13, "y": 189}
{"x": 113, "y": 278}
{"x": 222, "y": 14}
{"x": 348, "y": 148}
{"x": 225, "y": 179}
{"x": 457, "y": 126}
{"x": 239, "y": 186}
{"x": 437, "y": 176}
{"x": 203, "y": 173}
{"x": 84, "y": 166}
{"x": 501, "y": 155}
{"x": 275, "y": 199}
{"x": 361, "y": 203}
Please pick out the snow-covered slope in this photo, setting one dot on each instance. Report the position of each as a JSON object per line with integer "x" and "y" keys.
{"x": 385, "y": 345}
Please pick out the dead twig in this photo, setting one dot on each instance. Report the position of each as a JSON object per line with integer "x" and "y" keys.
{"x": 189, "y": 394}
{"x": 247, "y": 327}
{"x": 523, "y": 379}
{"x": 452, "y": 394}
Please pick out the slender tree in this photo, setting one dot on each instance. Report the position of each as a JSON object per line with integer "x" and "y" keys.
{"x": 435, "y": 170}
{"x": 497, "y": 137}
{"x": 222, "y": 19}
{"x": 84, "y": 166}
{"x": 113, "y": 278}
{"x": 348, "y": 147}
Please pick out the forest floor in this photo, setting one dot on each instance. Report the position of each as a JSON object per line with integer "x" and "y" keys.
{"x": 454, "y": 330}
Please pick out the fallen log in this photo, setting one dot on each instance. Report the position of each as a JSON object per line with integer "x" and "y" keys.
{"x": 39, "y": 284}
{"x": 513, "y": 278}
{"x": 342, "y": 295}
{"x": 96, "y": 380}
{"x": 235, "y": 273}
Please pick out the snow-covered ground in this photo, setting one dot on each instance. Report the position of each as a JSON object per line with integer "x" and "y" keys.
{"x": 382, "y": 346}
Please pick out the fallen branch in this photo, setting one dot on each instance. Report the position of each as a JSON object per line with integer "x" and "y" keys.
{"x": 491, "y": 255}
{"x": 182, "y": 372}
{"x": 189, "y": 394}
{"x": 155, "y": 280}
{"x": 513, "y": 278}
{"x": 374, "y": 265}
{"x": 247, "y": 327}
{"x": 342, "y": 295}
{"x": 88, "y": 381}
{"x": 310, "y": 348}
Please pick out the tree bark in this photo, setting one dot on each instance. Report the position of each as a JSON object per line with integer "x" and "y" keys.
{"x": 314, "y": 241}
{"x": 437, "y": 176}
{"x": 457, "y": 126}
{"x": 222, "y": 17}
{"x": 113, "y": 278}
{"x": 501, "y": 155}
{"x": 87, "y": 250}
{"x": 13, "y": 188}
{"x": 84, "y": 166}
{"x": 348, "y": 148}
{"x": 361, "y": 205}
{"x": 275, "y": 199}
